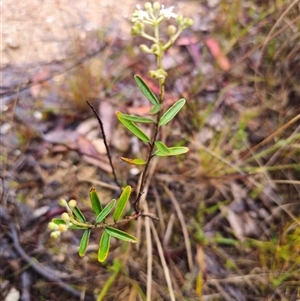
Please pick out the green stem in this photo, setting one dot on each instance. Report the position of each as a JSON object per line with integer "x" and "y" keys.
{"x": 112, "y": 224}
{"x": 136, "y": 204}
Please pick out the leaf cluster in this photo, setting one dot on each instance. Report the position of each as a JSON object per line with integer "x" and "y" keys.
{"x": 129, "y": 121}
{"x": 78, "y": 222}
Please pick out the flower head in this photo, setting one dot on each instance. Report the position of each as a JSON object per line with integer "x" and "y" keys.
{"x": 167, "y": 13}
{"x": 139, "y": 14}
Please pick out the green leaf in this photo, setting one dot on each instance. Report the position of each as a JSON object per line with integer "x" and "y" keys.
{"x": 162, "y": 148}
{"x": 122, "y": 201}
{"x": 173, "y": 151}
{"x": 103, "y": 246}
{"x": 133, "y": 128}
{"x": 172, "y": 111}
{"x": 155, "y": 109}
{"x": 75, "y": 227}
{"x": 134, "y": 161}
{"x": 84, "y": 242}
{"x": 120, "y": 234}
{"x": 105, "y": 212}
{"x": 78, "y": 214}
{"x": 146, "y": 90}
{"x": 59, "y": 221}
{"x": 95, "y": 201}
{"x": 137, "y": 118}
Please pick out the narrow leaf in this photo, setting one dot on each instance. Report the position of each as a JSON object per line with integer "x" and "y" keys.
{"x": 146, "y": 90}
{"x": 134, "y": 161}
{"x": 105, "y": 212}
{"x": 103, "y": 246}
{"x": 95, "y": 201}
{"x": 84, "y": 242}
{"x": 172, "y": 111}
{"x": 58, "y": 221}
{"x": 137, "y": 118}
{"x": 155, "y": 109}
{"x": 162, "y": 148}
{"x": 120, "y": 234}
{"x": 133, "y": 128}
{"x": 122, "y": 201}
{"x": 78, "y": 214}
{"x": 173, "y": 151}
{"x": 75, "y": 227}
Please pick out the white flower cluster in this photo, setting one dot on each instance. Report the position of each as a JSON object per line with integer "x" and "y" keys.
{"x": 167, "y": 13}
{"x": 151, "y": 14}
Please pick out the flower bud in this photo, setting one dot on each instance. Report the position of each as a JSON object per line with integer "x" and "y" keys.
{"x": 65, "y": 217}
{"x": 52, "y": 226}
{"x": 158, "y": 74}
{"x": 63, "y": 203}
{"x": 156, "y": 7}
{"x": 187, "y": 22}
{"x": 72, "y": 204}
{"x": 155, "y": 49}
{"x": 137, "y": 29}
{"x": 171, "y": 30}
{"x": 55, "y": 234}
{"x": 62, "y": 228}
{"x": 145, "y": 48}
{"x": 148, "y": 7}
{"x": 179, "y": 19}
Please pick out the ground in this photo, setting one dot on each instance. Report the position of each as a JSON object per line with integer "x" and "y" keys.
{"x": 228, "y": 209}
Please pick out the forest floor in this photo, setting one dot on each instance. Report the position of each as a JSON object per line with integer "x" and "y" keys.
{"x": 229, "y": 209}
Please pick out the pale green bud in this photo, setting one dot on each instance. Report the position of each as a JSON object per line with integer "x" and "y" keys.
{"x": 65, "y": 217}
{"x": 187, "y": 22}
{"x": 156, "y": 7}
{"x": 155, "y": 49}
{"x": 148, "y": 7}
{"x": 171, "y": 30}
{"x": 158, "y": 74}
{"x": 179, "y": 19}
{"x": 137, "y": 29}
{"x": 145, "y": 48}
{"x": 72, "y": 204}
{"x": 55, "y": 234}
{"x": 52, "y": 226}
{"x": 63, "y": 203}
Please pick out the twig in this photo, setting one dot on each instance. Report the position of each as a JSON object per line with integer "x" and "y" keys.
{"x": 105, "y": 142}
{"x": 41, "y": 270}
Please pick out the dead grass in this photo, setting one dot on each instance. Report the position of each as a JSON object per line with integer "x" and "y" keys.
{"x": 229, "y": 210}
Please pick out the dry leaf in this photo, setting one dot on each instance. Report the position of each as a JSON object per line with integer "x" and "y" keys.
{"x": 217, "y": 53}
